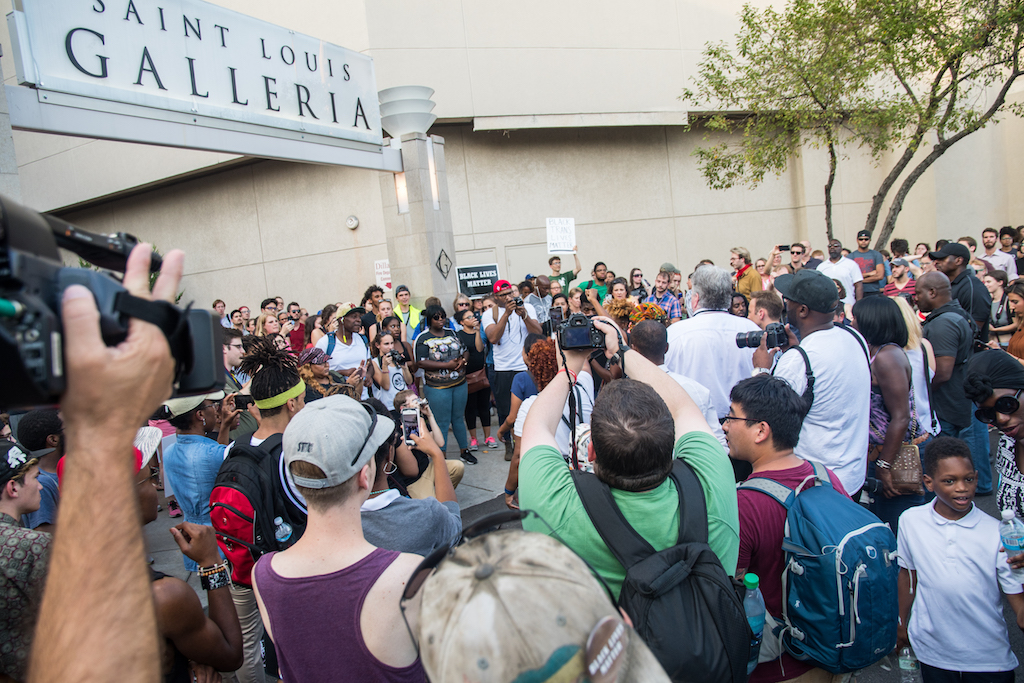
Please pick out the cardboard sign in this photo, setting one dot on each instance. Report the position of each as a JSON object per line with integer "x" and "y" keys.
{"x": 561, "y": 235}
{"x": 382, "y": 271}
{"x": 477, "y": 281}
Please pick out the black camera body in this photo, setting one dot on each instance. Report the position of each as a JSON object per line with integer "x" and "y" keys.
{"x": 517, "y": 302}
{"x": 578, "y": 332}
{"x": 32, "y": 283}
{"x": 751, "y": 340}
{"x": 398, "y": 358}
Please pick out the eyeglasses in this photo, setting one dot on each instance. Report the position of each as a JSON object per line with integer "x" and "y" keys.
{"x": 437, "y": 316}
{"x": 462, "y": 303}
{"x": 797, "y": 253}
{"x": 234, "y": 346}
{"x": 1007, "y": 405}
{"x": 723, "y": 420}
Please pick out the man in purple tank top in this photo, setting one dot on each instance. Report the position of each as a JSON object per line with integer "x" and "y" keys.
{"x": 331, "y": 601}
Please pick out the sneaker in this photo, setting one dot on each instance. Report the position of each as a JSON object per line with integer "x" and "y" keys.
{"x": 508, "y": 451}
{"x": 472, "y": 445}
{"x": 173, "y": 510}
{"x": 469, "y": 457}
{"x": 490, "y": 442}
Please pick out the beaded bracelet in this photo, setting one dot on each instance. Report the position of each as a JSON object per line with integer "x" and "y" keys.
{"x": 215, "y": 576}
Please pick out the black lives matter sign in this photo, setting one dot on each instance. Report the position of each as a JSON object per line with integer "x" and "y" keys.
{"x": 477, "y": 281}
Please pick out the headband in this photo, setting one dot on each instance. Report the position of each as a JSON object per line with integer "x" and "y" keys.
{"x": 282, "y": 398}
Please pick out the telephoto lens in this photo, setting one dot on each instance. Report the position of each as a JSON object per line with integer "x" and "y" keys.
{"x": 749, "y": 340}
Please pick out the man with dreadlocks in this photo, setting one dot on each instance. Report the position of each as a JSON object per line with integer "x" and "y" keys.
{"x": 280, "y": 394}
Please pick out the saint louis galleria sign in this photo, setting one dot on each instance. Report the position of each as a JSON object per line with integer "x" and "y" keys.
{"x": 193, "y": 57}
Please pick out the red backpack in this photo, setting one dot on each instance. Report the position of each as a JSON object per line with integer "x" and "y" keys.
{"x": 249, "y": 492}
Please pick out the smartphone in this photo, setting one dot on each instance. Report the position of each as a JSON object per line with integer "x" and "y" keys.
{"x": 555, "y": 316}
{"x": 243, "y": 401}
{"x": 783, "y": 247}
{"x": 410, "y": 424}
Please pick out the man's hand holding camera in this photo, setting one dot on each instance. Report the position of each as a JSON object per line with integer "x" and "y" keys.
{"x": 764, "y": 357}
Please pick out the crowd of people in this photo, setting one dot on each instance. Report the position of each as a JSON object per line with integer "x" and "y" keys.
{"x": 321, "y": 514}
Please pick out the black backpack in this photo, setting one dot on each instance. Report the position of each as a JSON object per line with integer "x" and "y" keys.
{"x": 682, "y": 602}
{"x": 248, "y": 493}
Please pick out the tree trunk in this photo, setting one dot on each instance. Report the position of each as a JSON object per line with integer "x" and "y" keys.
{"x": 832, "y": 161}
{"x": 897, "y": 202}
{"x": 876, "y": 202}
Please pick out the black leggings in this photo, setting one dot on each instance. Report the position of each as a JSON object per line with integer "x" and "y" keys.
{"x": 478, "y": 405}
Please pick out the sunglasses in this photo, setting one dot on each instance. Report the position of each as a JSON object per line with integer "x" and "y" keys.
{"x": 1007, "y": 405}
{"x": 437, "y": 317}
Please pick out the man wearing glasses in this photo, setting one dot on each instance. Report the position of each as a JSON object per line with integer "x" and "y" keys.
{"x": 297, "y": 337}
{"x": 796, "y": 256}
{"x": 871, "y": 264}
{"x": 235, "y": 381}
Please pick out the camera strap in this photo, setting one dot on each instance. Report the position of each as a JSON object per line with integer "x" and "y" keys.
{"x": 171, "y": 320}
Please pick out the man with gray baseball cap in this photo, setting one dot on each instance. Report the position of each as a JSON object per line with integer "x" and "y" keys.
{"x": 332, "y": 579}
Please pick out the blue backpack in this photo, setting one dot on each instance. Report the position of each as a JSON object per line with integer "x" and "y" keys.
{"x": 839, "y": 603}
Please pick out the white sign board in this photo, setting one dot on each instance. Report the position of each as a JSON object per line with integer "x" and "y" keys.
{"x": 561, "y": 235}
{"x": 192, "y": 57}
{"x": 382, "y": 271}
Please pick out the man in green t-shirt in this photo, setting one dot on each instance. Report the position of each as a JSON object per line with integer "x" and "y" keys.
{"x": 638, "y": 426}
{"x": 599, "y": 281}
{"x": 555, "y": 262}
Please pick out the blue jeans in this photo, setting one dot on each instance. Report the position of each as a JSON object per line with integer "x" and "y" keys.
{"x": 449, "y": 409}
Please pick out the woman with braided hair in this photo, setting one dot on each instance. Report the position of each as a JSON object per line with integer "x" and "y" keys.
{"x": 995, "y": 382}
{"x": 314, "y": 371}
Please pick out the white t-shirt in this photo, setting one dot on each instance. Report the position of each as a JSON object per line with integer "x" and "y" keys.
{"x": 957, "y": 621}
{"x": 846, "y": 271}
{"x": 701, "y": 395}
{"x": 917, "y": 360}
{"x": 563, "y": 435}
{"x": 703, "y": 348}
{"x": 345, "y": 356}
{"x": 508, "y": 352}
{"x": 835, "y": 431}
{"x": 394, "y": 384}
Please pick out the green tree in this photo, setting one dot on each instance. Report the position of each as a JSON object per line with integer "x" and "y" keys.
{"x": 879, "y": 74}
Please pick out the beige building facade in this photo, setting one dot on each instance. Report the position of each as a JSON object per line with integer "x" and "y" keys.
{"x": 565, "y": 109}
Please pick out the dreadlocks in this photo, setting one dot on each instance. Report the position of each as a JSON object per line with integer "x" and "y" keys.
{"x": 273, "y": 372}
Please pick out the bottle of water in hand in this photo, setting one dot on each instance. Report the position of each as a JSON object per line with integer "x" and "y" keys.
{"x": 1011, "y": 530}
{"x": 282, "y": 530}
{"x": 910, "y": 669}
{"x": 753, "y": 607}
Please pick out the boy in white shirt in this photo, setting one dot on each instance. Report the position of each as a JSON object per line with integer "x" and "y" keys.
{"x": 952, "y": 569}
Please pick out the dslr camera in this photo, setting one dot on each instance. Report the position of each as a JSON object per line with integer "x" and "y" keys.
{"x": 398, "y": 358}
{"x": 578, "y": 332}
{"x": 751, "y": 340}
{"x": 32, "y": 282}
{"x": 517, "y": 302}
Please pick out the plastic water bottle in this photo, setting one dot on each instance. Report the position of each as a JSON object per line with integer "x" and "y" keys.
{"x": 282, "y": 530}
{"x": 910, "y": 669}
{"x": 1011, "y": 530}
{"x": 753, "y": 607}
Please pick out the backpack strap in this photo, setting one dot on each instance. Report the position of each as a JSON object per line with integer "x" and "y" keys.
{"x": 272, "y": 443}
{"x": 693, "y": 510}
{"x": 622, "y": 540}
{"x": 809, "y": 391}
{"x": 771, "y": 488}
{"x": 928, "y": 389}
{"x": 332, "y": 339}
{"x": 821, "y": 473}
{"x": 860, "y": 342}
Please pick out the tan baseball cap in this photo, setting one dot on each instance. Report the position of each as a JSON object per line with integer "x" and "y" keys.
{"x": 520, "y": 607}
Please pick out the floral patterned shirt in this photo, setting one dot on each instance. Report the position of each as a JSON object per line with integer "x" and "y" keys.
{"x": 24, "y": 557}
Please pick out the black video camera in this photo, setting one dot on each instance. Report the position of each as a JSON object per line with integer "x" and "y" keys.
{"x": 32, "y": 283}
{"x": 578, "y": 332}
{"x": 751, "y": 340}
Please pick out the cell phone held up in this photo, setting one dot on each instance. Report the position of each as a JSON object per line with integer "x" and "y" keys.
{"x": 410, "y": 424}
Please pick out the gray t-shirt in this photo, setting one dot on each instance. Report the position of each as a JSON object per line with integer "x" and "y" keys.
{"x": 867, "y": 261}
{"x": 410, "y": 525}
{"x": 950, "y": 335}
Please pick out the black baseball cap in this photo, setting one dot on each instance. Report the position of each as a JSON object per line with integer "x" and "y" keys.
{"x": 951, "y": 249}
{"x": 811, "y": 288}
{"x": 863, "y": 233}
{"x": 14, "y": 461}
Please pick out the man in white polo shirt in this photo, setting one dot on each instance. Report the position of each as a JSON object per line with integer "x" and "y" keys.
{"x": 845, "y": 270}
{"x": 506, "y": 326}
